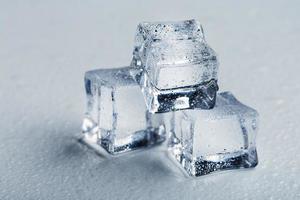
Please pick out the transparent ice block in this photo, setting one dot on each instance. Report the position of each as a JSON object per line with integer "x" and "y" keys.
{"x": 177, "y": 68}
{"x": 204, "y": 141}
{"x": 116, "y": 117}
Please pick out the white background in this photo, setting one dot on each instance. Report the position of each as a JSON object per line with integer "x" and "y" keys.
{"x": 45, "y": 48}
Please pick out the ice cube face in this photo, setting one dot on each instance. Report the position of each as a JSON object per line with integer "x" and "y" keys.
{"x": 117, "y": 118}
{"x": 178, "y": 70}
{"x": 222, "y": 138}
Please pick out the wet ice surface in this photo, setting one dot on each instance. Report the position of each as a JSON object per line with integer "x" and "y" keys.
{"x": 44, "y": 56}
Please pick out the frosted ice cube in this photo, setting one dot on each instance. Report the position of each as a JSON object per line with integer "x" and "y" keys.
{"x": 117, "y": 118}
{"x": 175, "y": 62}
{"x": 204, "y": 141}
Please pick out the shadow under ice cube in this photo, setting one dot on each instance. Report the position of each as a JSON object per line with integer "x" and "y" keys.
{"x": 117, "y": 118}
{"x": 178, "y": 69}
{"x": 222, "y": 138}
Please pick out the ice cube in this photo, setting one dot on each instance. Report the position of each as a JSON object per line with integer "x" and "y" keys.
{"x": 204, "y": 141}
{"x": 175, "y": 63}
{"x": 116, "y": 117}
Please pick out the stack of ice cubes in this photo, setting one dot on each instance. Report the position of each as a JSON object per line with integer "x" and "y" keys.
{"x": 169, "y": 94}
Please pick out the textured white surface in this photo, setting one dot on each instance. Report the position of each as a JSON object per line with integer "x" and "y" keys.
{"x": 45, "y": 48}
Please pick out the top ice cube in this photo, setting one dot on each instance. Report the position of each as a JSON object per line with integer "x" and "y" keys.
{"x": 174, "y": 56}
{"x": 178, "y": 46}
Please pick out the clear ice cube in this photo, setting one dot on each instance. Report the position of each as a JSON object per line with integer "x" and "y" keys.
{"x": 116, "y": 117}
{"x": 204, "y": 141}
{"x": 178, "y": 70}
